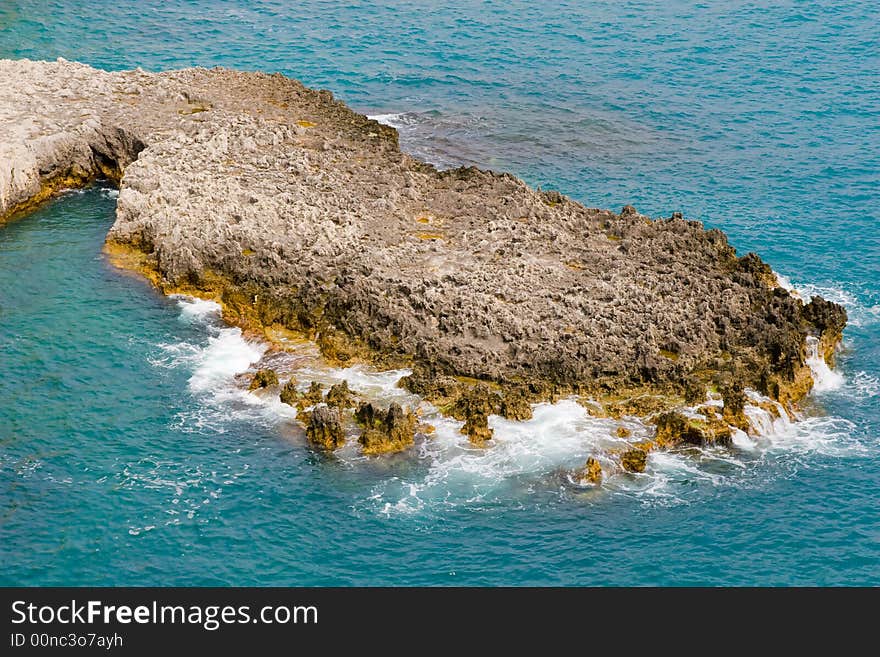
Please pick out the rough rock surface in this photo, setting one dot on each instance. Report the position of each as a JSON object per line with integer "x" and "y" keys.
{"x": 292, "y": 209}
{"x": 263, "y": 379}
{"x": 325, "y": 428}
{"x": 634, "y": 460}
{"x": 591, "y": 472}
{"x": 385, "y": 431}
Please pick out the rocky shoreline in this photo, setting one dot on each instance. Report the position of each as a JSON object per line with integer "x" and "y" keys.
{"x": 299, "y": 215}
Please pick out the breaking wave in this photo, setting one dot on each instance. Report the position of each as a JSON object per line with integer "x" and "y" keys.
{"x": 525, "y": 458}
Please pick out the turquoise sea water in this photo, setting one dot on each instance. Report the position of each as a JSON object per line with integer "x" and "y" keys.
{"x": 128, "y": 457}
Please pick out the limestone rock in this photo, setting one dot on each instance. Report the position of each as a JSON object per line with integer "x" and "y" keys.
{"x": 314, "y": 395}
{"x": 340, "y": 396}
{"x": 325, "y": 428}
{"x": 592, "y": 471}
{"x": 515, "y": 405}
{"x": 263, "y": 379}
{"x": 674, "y": 428}
{"x": 289, "y": 393}
{"x": 476, "y": 428}
{"x": 385, "y": 431}
{"x": 296, "y": 211}
{"x": 634, "y": 460}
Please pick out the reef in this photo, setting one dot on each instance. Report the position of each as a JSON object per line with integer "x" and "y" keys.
{"x": 297, "y": 213}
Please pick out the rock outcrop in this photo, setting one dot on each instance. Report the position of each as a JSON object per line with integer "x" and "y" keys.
{"x": 263, "y": 379}
{"x": 591, "y": 473}
{"x": 291, "y": 209}
{"x": 325, "y": 428}
{"x": 634, "y": 459}
{"x": 385, "y": 431}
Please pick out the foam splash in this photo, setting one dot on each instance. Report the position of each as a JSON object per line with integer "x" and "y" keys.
{"x": 526, "y": 458}
{"x": 442, "y": 140}
{"x": 226, "y": 353}
{"x": 824, "y": 378}
{"x": 860, "y": 312}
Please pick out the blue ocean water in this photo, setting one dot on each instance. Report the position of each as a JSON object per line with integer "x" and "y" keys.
{"x": 127, "y": 456}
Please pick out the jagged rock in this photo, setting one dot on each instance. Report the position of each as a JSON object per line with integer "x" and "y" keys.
{"x": 515, "y": 405}
{"x": 634, "y": 460}
{"x": 639, "y": 404}
{"x": 592, "y": 471}
{"x": 385, "y": 431}
{"x": 335, "y": 346}
{"x": 325, "y": 428}
{"x": 289, "y": 394}
{"x": 734, "y": 397}
{"x": 263, "y": 379}
{"x": 694, "y": 391}
{"x": 314, "y": 395}
{"x": 674, "y": 429}
{"x": 340, "y": 396}
{"x": 430, "y": 384}
{"x": 479, "y": 399}
{"x": 623, "y": 432}
{"x": 474, "y": 405}
{"x": 294, "y": 210}
{"x": 476, "y": 428}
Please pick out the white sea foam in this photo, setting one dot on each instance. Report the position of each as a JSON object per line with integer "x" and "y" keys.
{"x": 863, "y": 386}
{"x": 860, "y": 313}
{"x": 225, "y": 355}
{"x": 197, "y": 310}
{"x": 824, "y": 378}
{"x": 524, "y": 457}
{"x": 396, "y": 120}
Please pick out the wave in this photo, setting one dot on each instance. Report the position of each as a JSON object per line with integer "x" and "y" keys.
{"x": 824, "y": 378}
{"x": 529, "y": 458}
{"x": 860, "y": 313}
{"x": 439, "y": 139}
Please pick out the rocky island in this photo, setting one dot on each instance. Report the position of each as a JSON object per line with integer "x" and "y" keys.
{"x": 300, "y": 215}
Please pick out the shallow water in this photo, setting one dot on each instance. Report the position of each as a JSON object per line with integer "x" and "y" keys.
{"x": 129, "y": 456}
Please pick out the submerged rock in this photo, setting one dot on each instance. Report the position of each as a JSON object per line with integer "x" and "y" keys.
{"x": 385, "y": 431}
{"x": 264, "y": 379}
{"x": 325, "y": 428}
